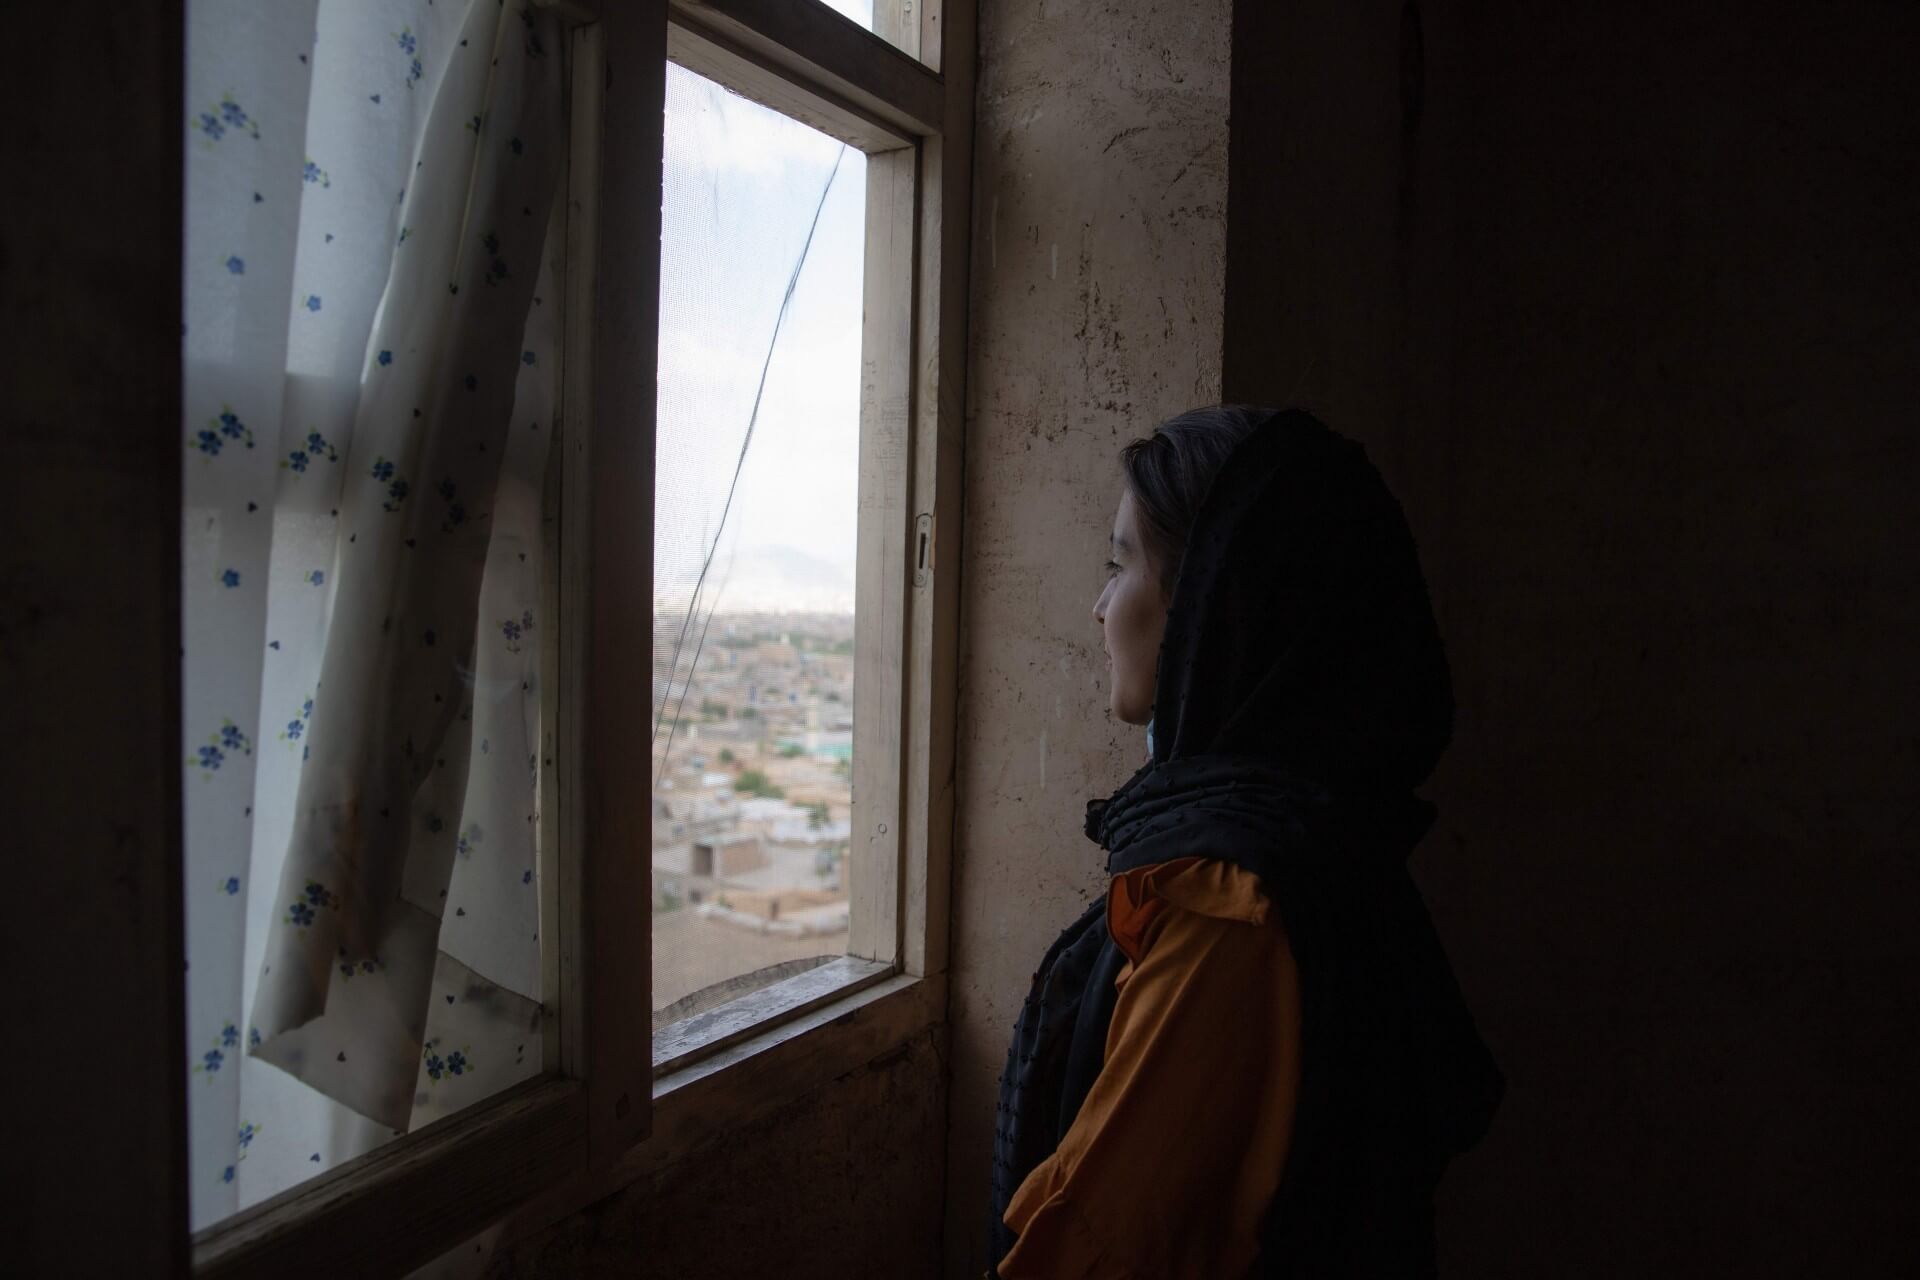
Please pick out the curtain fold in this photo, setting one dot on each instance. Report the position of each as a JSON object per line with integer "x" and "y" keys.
{"x": 371, "y": 344}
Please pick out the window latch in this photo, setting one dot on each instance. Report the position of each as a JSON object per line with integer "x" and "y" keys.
{"x": 923, "y": 530}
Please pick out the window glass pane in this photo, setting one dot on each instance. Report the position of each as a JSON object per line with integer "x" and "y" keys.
{"x": 760, "y": 319}
{"x": 896, "y": 21}
{"x": 861, "y": 11}
{"x": 370, "y": 343}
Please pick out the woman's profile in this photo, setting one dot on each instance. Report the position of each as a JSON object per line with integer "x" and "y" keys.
{"x": 1250, "y": 1057}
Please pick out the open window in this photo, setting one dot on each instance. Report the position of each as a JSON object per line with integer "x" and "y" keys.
{"x": 480, "y": 410}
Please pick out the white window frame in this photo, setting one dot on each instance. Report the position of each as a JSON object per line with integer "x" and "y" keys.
{"x": 618, "y": 1101}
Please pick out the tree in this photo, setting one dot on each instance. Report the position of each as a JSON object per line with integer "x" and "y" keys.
{"x": 790, "y": 750}
{"x": 726, "y": 755}
{"x": 817, "y": 815}
{"x": 754, "y": 783}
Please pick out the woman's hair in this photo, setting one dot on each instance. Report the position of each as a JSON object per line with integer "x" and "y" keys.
{"x": 1171, "y": 470}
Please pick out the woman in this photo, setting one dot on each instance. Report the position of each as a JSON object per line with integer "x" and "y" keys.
{"x": 1251, "y": 1057}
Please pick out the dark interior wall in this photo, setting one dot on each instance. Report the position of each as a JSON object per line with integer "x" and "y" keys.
{"x": 1623, "y": 300}
{"x": 844, "y": 1181}
{"x": 93, "y": 1130}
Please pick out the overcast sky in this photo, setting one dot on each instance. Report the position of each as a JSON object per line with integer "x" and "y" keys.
{"x": 742, "y": 184}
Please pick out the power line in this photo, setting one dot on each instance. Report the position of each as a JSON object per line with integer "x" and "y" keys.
{"x": 753, "y": 421}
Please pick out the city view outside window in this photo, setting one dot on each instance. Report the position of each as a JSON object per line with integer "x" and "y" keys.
{"x": 755, "y": 491}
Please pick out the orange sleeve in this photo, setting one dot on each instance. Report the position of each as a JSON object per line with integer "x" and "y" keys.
{"x": 1176, "y": 1153}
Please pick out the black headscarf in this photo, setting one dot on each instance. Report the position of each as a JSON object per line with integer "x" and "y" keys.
{"x": 1302, "y": 693}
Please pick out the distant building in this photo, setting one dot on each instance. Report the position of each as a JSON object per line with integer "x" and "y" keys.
{"x": 729, "y": 855}
{"x": 681, "y": 817}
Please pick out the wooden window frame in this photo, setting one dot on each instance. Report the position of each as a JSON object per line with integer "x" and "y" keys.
{"x": 617, "y": 1101}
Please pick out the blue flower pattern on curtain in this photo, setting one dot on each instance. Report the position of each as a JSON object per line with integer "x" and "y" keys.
{"x": 371, "y": 303}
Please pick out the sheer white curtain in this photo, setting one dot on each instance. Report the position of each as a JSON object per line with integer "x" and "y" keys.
{"x": 371, "y": 343}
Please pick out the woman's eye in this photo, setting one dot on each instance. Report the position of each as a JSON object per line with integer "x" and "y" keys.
{"x": 1112, "y": 568}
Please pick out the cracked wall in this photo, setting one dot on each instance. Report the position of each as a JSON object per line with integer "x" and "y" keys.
{"x": 1098, "y": 252}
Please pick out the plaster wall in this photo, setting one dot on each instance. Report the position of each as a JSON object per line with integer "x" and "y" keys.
{"x": 1622, "y": 299}
{"x": 1098, "y": 255}
{"x": 844, "y": 1181}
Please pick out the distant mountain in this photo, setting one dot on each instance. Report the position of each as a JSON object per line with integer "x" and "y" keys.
{"x": 786, "y": 579}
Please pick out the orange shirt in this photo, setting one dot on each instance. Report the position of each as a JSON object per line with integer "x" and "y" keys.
{"x": 1172, "y": 1160}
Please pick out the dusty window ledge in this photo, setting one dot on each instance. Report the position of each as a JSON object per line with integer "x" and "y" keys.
{"x": 739, "y": 1083}
{"x": 718, "y": 993}
{"x": 750, "y": 1016}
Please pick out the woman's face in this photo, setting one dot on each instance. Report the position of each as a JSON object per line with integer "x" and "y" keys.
{"x": 1132, "y": 613}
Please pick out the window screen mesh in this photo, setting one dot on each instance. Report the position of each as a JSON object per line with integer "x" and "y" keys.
{"x": 760, "y": 297}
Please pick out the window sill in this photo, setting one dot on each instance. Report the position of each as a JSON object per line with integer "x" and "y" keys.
{"x": 738, "y": 1083}
{"x": 745, "y": 1018}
